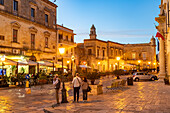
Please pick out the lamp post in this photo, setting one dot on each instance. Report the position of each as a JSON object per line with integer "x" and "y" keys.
{"x": 149, "y": 64}
{"x": 72, "y": 61}
{"x": 98, "y": 65}
{"x": 139, "y": 64}
{"x": 118, "y": 58}
{"x": 68, "y": 65}
{"x": 64, "y": 96}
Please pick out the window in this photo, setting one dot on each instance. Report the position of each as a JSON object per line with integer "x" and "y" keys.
{"x": 53, "y": 47}
{"x": 120, "y": 52}
{"x": 144, "y": 56}
{"x": 2, "y": 37}
{"x": 103, "y": 53}
{"x": 116, "y": 52}
{"x": 32, "y": 12}
{"x": 111, "y": 52}
{"x": 1, "y": 2}
{"x": 15, "y": 35}
{"x": 97, "y": 52}
{"x": 32, "y": 41}
{"x": 133, "y": 56}
{"x": 60, "y": 36}
{"x": 46, "y": 42}
{"x": 89, "y": 51}
{"x": 15, "y": 5}
{"x": 66, "y": 38}
{"x": 71, "y": 51}
{"x": 46, "y": 18}
{"x": 72, "y": 39}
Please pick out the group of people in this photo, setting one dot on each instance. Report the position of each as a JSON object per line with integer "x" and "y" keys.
{"x": 77, "y": 84}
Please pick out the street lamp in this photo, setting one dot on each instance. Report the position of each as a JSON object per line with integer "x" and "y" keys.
{"x": 2, "y": 60}
{"x": 139, "y": 63}
{"x": 64, "y": 96}
{"x": 72, "y": 60}
{"x": 118, "y": 58}
{"x": 68, "y": 64}
{"x": 98, "y": 65}
{"x": 149, "y": 64}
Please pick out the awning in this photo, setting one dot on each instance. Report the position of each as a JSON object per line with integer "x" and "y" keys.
{"x": 60, "y": 66}
{"x": 9, "y": 62}
{"x": 45, "y": 63}
{"x": 84, "y": 66}
{"x": 129, "y": 65}
{"x": 32, "y": 63}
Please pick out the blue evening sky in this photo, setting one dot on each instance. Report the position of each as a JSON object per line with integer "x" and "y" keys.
{"x": 123, "y": 21}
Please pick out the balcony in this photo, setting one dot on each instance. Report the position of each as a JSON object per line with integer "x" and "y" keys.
{"x": 65, "y": 42}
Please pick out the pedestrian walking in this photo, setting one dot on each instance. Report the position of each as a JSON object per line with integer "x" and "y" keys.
{"x": 57, "y": 83}
{"x": 76, "y": 86}
{"x": 84, "y": 88}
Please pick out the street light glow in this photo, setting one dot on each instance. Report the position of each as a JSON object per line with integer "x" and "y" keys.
{"x": 3, "y": 58}
{"x": 72, "y": 58}
{"x": 68, "y": 62}
{"x": 98, "y": 62}
{"x": 118, "y": 58}
{"x": 139, "y": 61}
{"x": 62, "y": 50}
{"x": 149, "y": 62}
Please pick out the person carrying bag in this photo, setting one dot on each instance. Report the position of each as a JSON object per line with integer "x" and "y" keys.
{"x": 57, "y": 83}
{"x": 85, "y": 88}
{"x": 76, "y": 86}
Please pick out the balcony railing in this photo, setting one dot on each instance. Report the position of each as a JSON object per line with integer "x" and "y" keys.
{"x": 66, "y": 42}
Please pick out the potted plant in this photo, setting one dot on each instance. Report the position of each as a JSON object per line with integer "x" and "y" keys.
{"x": 92, "y": 76}
{"x": 117, "y": 73}
{"x": 43, "y": 78}
{"x": 95, "y": 88}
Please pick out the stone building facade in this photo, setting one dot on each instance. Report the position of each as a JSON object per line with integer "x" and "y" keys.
{"x": 102, "y": 55}
{"x": 28, "y": 28}
{"x": 65, "y": 37}
{"x": 164, "y": 44}
{"x": 142, "y": 55}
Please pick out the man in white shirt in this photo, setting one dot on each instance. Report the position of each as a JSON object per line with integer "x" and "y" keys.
{"x": 56, "y": 83}
{"x": 76, "y": 85}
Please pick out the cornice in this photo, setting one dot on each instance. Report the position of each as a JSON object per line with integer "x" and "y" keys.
{"x": 161, "y": 19}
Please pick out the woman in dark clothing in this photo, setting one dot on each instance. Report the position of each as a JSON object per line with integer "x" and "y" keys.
{"x": 84, "y": 88}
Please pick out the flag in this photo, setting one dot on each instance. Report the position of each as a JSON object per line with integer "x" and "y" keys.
{"x": 159, "y": 35}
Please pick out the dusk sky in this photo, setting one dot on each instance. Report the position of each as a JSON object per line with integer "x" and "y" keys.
{"x": 123, "y": 21}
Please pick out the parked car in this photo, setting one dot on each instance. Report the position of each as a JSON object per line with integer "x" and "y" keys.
{"x": 144, "y": 76}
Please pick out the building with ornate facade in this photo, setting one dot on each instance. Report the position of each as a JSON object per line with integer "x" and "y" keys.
{"x": 28, "y": 30}
{"x": 164, "y": 46}
{"x": 65, "y": 38}
{"x": 108, "y": 56}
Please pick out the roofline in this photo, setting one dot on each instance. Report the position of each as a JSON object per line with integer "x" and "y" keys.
{"x": 65, "y": 28}
{"x": 51, "y": 3}
{"x": 94, "y": 40}
{"x": 139, "y": 44}
{"x": 115, "y": 42}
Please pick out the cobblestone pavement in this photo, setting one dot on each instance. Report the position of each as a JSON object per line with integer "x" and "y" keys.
{"x": 145, "y": 96}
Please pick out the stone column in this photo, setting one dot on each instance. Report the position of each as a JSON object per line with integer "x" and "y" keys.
{"x": 162, "y": 58}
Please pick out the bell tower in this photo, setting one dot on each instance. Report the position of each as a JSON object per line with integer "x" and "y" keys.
{"x": 93, "y": 32}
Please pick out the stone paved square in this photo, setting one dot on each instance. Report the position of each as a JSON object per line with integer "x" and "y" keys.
{"x": 144, "y": 97}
